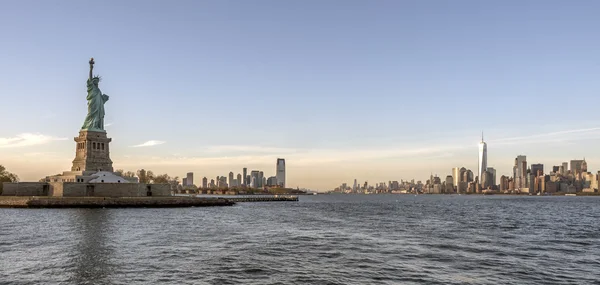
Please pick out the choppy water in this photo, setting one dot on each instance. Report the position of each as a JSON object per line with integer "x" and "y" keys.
{"x": 371, "y": 239}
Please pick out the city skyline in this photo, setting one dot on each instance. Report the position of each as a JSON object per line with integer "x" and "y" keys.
{"x": 398, "y": 89}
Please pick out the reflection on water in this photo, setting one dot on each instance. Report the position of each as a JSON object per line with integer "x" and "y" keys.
{"x": 92, "y": 251}
{"x": 361, "y": 239}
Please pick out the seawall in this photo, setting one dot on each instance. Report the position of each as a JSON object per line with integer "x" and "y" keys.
{"x": 105, "y": 202}
{"x": 245, "y": 198}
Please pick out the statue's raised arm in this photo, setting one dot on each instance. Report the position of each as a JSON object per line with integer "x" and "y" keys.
{"x": 91, "y": 67}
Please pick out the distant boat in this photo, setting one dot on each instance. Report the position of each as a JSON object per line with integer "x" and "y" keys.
{"x": 570, "y": 194}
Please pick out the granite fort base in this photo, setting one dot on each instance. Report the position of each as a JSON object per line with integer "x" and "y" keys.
{"x": 75, "y": 189}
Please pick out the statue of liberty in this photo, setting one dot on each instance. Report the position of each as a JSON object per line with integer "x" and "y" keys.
{"x": 94, "y": 121}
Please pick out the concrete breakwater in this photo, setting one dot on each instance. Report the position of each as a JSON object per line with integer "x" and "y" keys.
{"x": 246, "y": 198}
{"x": 101, "y": 202}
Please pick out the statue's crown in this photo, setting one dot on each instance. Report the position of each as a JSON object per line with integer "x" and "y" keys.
{"x": 97, "y": 77}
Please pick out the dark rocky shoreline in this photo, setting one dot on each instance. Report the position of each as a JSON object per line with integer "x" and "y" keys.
{"x": 105, "y": 202}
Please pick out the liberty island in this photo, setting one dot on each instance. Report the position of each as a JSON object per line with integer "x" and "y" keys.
{"x": 92, "y": 175}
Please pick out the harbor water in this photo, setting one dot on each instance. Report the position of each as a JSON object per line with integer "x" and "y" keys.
{"x": 322, "y": 239}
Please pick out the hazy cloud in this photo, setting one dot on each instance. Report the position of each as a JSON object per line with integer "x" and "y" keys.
{"x": 27, "y": 139}
{"x": 108, "y": 124}
{"x": 248, "y": 149}
{"x": 558, "y": 136}
{"x": 149, "y": 143}
{"x": 253, "y": 154}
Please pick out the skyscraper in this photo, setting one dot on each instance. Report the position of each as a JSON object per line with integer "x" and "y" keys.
{"x": 576, "y": 166}
{"x": 565, "y": 166}
{"x": 189, "y": 179}
{"x": 204, "y": 182}
{"x": 462, "y": 174}
{"x": 231, "y": 179}
{"x": 535, "y": 168}
{"x": 520, "y": 171}
{"x": 239, "y": 180}
{"x": 482, "y": 157}
{"x": 492, "y": 171}
{"x": 254, "y": 179}
{"x": 245, "y": 175}
{"x": 280, "y": 172}
{"x": 272, "y": 181}
{"x": 455, "y": 176}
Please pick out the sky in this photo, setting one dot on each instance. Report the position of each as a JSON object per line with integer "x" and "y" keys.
{"x": 343, "y": 90}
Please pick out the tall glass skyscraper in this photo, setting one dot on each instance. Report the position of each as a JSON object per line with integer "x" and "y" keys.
{"x": 280, "y": 172}
{"x": 482, "y": 157}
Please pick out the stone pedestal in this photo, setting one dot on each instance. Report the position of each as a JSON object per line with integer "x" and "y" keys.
{"x": 92, "y": 152}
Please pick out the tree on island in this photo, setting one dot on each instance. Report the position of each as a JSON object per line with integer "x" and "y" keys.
{"x": 145, "y": 176}
{"x": 165, "y": 179}
{"x": 126, "y": 174}
{"x": 6, "y": 176}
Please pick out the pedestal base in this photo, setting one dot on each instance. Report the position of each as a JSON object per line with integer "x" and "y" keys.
{"x": 92, "y": 152}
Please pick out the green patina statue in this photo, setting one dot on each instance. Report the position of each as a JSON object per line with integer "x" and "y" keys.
{"x": 94, "y": 121}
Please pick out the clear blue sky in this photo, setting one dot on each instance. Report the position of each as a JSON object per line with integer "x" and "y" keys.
{"x": 377, "y": 90}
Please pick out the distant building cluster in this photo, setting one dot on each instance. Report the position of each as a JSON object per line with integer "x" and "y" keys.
{"x": 254, "y": 179}
{"x": 567, "y": 177}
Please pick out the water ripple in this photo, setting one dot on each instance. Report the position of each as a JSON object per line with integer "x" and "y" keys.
{"x": 374, "y": 239}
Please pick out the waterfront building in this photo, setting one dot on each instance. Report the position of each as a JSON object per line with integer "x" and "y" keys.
{"x": 449, "y": 186}
{"x": 260, "y": 179}
{"x": 552, "y": 187}
{"x": 537, "y": 169}
{"x": 463, "y": 175}
{"x": 254, "y": 178}
{"x": 556, "y": 169}
{"x": 231, "y": 179}
{"x": 222, "y": 182}
{"x": 565, "y": 167}
{"x": 531, "y": 183}
{"x": 189, "y": 179}
{"x": 493, "y": 172}
{"x": 272, "y": 181}
{"x": 520, "y": 171}
{"x": 204, "y": 182}
{"x": 503, "y": 183}
{"x": 470, "y": 177}
{"x": 462, "y": 187}
{"x": 239, "y": 180}
{"x": 576, "y": 166}
{"x": 245, "y": 175}
{"x": 482, "y": 157}
{"x": 486, "y": 180}
{"x": 280, "y": 172}
{"x": 184, "y": 181}
{"x": 455, "y": 176}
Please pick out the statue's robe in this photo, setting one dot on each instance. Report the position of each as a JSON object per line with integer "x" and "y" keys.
{"x": 95, "y": 116}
